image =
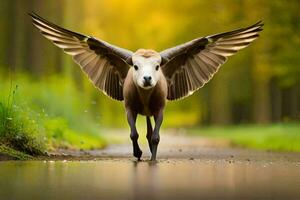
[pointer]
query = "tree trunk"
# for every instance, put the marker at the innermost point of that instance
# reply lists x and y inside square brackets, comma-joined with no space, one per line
[261,96]
[220,101]
[276,96]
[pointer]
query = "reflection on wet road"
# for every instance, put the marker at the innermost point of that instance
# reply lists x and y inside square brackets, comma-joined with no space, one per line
[167,179]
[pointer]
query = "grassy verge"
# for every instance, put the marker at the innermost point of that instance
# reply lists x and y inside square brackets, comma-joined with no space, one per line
[11,153]
[61,135]
[18,133]
[277,137]
[32,123]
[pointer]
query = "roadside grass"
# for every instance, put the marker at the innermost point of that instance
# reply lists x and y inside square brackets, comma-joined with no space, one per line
[17,130]
[62,136]
[39,117]
[12,153]
[276,137]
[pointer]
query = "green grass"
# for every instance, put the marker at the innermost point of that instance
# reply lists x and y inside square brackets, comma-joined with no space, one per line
[277,137]
[12,153]
[36,117]
[62,136]
[18,129]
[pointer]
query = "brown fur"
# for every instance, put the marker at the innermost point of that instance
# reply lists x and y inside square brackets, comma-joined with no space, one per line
[144,102]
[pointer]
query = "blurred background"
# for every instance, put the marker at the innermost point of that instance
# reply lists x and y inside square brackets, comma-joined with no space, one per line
[47,93]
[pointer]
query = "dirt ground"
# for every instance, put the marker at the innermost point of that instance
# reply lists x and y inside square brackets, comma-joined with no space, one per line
[176,145]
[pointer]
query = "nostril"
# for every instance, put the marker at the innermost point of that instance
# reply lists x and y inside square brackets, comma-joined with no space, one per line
[147,78]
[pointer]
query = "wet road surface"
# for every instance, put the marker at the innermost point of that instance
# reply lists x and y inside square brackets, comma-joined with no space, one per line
[188,168]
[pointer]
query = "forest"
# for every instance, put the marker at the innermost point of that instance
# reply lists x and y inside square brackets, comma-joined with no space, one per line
[44,89]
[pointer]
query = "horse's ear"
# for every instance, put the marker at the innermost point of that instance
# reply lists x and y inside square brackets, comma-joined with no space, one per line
[129,61]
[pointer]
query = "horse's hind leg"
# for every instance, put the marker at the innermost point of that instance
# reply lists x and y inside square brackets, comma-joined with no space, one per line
[158,118]
[149,132]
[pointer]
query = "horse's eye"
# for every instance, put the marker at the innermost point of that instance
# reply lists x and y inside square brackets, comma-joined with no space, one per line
[157,66]
[135,67]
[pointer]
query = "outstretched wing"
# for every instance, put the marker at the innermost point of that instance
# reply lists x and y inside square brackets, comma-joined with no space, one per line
[189,66]
[104,64]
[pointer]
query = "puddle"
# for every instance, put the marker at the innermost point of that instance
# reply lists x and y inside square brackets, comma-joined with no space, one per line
[168,179]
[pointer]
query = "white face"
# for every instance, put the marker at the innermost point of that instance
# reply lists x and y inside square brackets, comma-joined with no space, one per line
[146,71]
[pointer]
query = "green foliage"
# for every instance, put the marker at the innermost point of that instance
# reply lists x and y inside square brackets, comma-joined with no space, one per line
[61,136]
[45,116]
[17,129]
[14,154]
[278,137]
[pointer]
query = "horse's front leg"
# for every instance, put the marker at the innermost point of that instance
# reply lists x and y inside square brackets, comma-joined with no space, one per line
[131,118]
[158,117]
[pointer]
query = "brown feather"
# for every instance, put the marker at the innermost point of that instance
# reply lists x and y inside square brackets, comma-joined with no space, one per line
[201,59]
[91,54]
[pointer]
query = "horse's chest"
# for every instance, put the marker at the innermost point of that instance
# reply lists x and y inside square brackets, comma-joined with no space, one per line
[147,105]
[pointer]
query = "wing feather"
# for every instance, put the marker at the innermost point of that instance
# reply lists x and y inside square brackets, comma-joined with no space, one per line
[189,66]
[103,63]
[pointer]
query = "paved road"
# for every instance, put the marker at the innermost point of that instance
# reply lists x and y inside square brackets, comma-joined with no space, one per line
[177,145]
[187,168]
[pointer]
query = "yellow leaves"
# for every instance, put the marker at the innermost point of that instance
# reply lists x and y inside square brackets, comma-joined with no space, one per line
[134,24]
[92,27]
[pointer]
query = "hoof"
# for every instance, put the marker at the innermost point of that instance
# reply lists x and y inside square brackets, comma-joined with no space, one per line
[153,160]
[138,154]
